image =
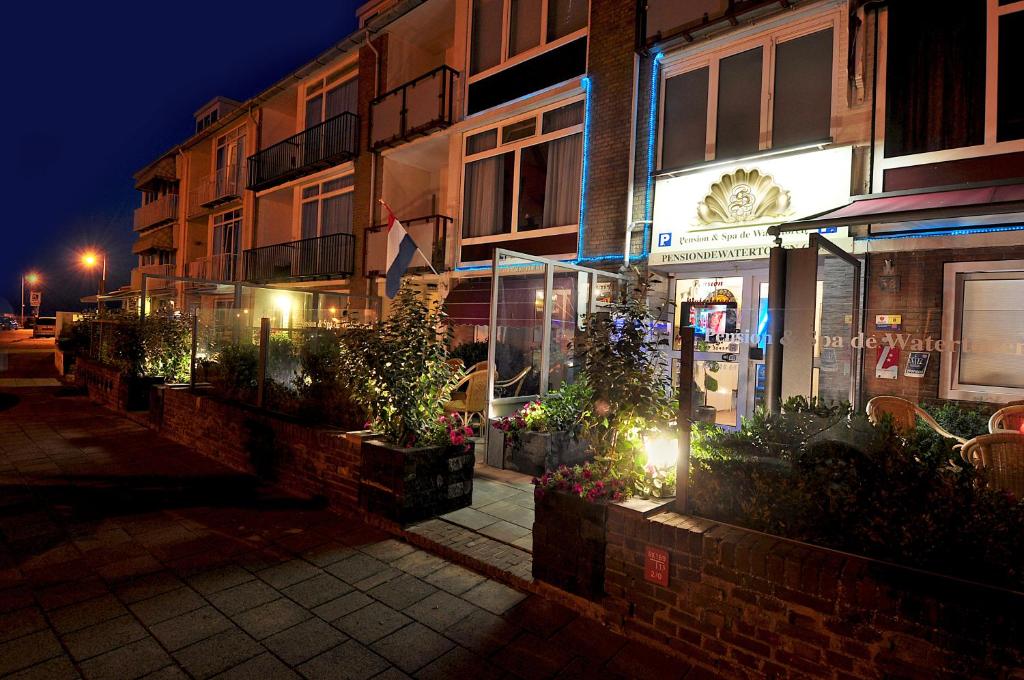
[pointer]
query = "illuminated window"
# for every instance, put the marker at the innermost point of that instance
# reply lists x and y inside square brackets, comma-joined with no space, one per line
[506,29]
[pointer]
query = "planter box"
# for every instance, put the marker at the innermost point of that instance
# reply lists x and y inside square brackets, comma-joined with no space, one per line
[540,451]
[409,485]
[569,541]
[137,392]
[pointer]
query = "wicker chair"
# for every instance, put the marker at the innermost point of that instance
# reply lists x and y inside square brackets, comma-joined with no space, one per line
[515,383]
[1007,419]
[474,401]
[904,416]
[1001,455]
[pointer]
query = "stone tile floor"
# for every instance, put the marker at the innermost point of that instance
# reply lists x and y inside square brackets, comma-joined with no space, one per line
[502,507]
[123,555]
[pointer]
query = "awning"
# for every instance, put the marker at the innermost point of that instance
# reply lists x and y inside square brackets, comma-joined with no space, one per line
[158,239]
[916,206]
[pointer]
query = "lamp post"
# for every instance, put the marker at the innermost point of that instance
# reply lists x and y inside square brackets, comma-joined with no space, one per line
[32,278]
[91,259]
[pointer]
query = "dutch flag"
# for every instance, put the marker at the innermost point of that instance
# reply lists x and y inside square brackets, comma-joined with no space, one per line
[401,249]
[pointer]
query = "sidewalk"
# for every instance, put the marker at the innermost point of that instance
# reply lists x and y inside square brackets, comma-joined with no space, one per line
[123,555]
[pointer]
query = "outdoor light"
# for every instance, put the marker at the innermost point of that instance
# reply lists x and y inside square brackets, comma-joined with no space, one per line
[32,278]
[662,449]
[89,259]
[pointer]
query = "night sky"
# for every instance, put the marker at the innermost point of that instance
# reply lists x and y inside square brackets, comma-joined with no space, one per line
[95,91]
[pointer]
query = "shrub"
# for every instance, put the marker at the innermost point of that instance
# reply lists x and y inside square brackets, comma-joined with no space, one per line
[561,411]
[166,347]
[586,481]
[625,370]
[397,371]
[238,369]
[323,395]
[859,488]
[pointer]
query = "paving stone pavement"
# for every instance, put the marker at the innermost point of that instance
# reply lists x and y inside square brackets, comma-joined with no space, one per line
[123,555]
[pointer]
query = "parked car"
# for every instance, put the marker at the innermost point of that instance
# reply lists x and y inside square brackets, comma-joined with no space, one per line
[9,323]
[46,327]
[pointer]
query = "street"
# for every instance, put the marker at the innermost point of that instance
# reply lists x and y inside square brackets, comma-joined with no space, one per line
[123,555]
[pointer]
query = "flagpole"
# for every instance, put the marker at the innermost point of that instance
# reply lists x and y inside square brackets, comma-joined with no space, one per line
[422,254]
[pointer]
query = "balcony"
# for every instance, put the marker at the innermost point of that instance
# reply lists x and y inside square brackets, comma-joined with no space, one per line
[416,108]
[163,209]
[222,186]
[329,257]
[222,267]
[154,270]
[430,233]
[333,141]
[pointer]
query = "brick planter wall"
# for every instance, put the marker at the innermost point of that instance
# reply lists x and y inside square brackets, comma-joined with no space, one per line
[104,385]
[569,543]
[305,460]
[408,485]
[742,604]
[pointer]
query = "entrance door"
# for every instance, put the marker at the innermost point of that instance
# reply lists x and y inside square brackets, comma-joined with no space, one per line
[729,315]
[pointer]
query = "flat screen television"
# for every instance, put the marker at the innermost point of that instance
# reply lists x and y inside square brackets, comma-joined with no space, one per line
[709,318]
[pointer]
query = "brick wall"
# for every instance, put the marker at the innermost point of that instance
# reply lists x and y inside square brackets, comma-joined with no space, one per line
[919,302]
[309,461]
[740,604]
[610,69]
[104,385]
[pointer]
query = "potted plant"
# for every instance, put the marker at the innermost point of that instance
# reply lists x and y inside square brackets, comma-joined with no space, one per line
[544,435]
[418,463]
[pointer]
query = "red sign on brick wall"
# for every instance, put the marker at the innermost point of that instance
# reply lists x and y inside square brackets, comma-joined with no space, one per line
[656,566]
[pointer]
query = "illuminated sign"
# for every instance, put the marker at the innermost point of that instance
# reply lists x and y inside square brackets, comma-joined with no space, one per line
[723,213]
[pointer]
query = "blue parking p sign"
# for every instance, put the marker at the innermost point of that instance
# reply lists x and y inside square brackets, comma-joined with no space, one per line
[664,240]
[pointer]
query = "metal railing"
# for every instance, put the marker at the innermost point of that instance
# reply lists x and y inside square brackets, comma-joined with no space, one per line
[333,141]
[226,184]
[418,107]
[151,269]
[430,233]
[163,209]
[320,257]
[222,267]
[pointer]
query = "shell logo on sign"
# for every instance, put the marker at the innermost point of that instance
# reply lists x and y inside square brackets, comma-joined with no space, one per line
[743,196]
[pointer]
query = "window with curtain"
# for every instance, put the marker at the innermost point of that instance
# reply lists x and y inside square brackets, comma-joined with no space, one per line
[488,19]
[935,60]
[487,203]
[1010,117]
[522,25]
[327,208]
[534,180]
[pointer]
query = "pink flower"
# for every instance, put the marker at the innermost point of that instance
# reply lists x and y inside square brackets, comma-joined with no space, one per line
[577,489]
[458,439]
[468,430]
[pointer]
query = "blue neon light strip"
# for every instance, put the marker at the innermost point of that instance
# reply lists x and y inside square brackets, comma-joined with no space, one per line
[584,180]
[652,123]
[946,231]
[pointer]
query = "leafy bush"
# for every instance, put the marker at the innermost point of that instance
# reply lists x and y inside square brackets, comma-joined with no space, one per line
[166,347]
[238,372]
[836,480]
[586,481]
[625,370]
[323,395]
[397,371]
[561,411]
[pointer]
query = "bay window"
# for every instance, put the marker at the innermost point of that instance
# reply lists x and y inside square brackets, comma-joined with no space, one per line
[770,91]
[528,182]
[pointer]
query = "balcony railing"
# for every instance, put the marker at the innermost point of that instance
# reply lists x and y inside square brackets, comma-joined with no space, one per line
[154,270]
[328,256]
[333,141]
[222,186]
[430,233]
[416,108]
[222,267]
[163,209]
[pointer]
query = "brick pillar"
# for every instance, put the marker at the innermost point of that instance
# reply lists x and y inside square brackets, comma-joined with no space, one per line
[364,215]
[610,69]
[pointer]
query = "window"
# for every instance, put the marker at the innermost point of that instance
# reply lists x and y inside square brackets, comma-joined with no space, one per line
[531,181]
[935,64]
[324,100]
[207,120]
[504,29]
[985,321]
[327,208]
[229,155]
[1010,111]
[227,229]
[791,108]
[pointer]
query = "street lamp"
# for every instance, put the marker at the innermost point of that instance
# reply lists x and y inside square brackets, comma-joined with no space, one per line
[90,259]
[32,278]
